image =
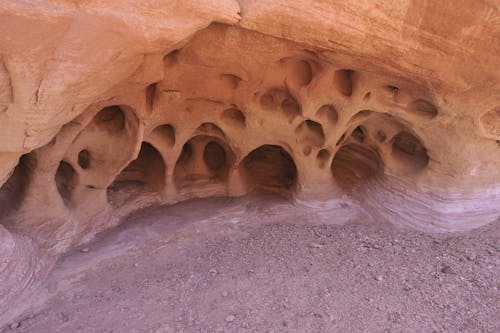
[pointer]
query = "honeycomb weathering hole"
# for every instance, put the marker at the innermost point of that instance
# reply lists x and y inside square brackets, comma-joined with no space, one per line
[234,117]
[491,122]
[203,158]
[323,157]
[300,71]
[355,164]
[423,108]
[363,114]
[166,133]
[380,136]
[111,119]
[230,81]
[310,133]
[290,108]
[280,99]
[342,79]
[267,100]
[214,156]
[392,91]
[147,169]
[391,88]
[409,152]
[303,72]
[270,168]
[212,129]
[84,159]
[359,134]
[329,112]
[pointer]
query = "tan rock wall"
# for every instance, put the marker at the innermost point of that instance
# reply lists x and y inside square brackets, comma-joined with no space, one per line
[390,110]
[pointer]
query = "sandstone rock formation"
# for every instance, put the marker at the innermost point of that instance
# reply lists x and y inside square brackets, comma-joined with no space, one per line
[390,110]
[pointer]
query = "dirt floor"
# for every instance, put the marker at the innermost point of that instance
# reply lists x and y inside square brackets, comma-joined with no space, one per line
[243,265]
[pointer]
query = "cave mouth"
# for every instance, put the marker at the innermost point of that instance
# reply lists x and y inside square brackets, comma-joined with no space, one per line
[144,174]
[354,165]
[270,169]
[204,159]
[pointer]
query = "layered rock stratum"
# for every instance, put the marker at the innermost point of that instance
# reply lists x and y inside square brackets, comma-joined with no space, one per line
[389,110]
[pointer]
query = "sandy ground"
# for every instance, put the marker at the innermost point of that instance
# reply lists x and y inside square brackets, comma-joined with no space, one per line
[227,265]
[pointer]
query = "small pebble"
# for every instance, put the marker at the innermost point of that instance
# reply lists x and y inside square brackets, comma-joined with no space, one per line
[230,318]
[379,278]
[448,270]
[318,315]
[470,257]
[314,245]
[15,325]
[85,250]
[212,271]
[224,294]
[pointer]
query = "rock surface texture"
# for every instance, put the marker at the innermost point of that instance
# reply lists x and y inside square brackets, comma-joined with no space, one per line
[390,110]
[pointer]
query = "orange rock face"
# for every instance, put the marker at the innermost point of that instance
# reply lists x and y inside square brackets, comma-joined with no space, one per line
[391,109]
